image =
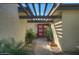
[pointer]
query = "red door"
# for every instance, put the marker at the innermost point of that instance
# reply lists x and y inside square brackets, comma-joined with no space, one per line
[40,30]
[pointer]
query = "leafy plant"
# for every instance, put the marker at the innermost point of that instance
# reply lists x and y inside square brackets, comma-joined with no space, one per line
[49,33]
[12,47]
[30,36]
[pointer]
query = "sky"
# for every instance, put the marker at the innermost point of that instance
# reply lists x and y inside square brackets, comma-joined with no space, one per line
[49,6]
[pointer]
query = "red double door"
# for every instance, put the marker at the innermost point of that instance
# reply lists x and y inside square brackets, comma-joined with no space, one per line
[41,29]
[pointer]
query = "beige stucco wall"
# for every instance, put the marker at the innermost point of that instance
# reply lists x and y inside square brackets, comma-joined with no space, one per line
[70,30]
[32,26]
[10,24]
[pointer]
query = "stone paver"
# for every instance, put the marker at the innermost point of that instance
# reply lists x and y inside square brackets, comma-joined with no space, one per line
[41,47]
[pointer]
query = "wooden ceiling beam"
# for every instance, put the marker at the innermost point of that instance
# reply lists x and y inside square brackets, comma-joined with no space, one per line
[54,4]
[25,10]
[29,9]
[34,9]
[45,9]
[45,17]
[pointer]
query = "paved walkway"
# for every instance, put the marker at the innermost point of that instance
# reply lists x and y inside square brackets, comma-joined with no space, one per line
[41,47]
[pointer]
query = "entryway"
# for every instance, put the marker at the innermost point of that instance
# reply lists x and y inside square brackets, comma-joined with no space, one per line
[41,28]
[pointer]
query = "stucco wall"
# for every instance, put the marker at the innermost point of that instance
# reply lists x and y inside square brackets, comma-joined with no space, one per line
[32,26]
[70,30]
[10,24]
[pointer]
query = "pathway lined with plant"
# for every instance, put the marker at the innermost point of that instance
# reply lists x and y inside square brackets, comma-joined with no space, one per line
[41,47]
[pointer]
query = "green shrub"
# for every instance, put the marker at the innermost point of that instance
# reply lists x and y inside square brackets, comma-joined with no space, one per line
[12,48]
[30,36]
[49,33]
